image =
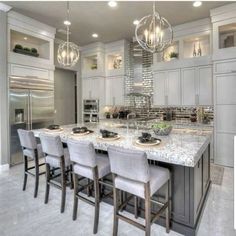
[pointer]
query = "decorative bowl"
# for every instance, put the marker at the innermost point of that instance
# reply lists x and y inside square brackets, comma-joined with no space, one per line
[162,130]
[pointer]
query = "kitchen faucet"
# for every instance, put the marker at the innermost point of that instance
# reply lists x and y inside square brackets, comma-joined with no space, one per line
[128,117]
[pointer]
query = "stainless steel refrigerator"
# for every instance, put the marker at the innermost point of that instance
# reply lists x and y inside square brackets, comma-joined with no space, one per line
[31,107]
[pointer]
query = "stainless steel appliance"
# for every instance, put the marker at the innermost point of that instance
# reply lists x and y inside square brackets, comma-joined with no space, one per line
[31,107]
[91,110]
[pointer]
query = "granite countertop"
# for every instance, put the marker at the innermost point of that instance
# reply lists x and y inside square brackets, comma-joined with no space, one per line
[182,147]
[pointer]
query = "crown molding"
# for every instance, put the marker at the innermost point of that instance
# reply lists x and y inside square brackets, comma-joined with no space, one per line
[4,7]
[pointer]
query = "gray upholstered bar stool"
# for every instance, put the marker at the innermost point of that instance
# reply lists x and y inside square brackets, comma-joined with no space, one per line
[132,173]
[56,157]
[91,165]
[31,151]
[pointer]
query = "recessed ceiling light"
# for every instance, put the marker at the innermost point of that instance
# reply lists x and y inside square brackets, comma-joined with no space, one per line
[67,22]
[112,3]
[197,3]
[135,22]
[25,38]
[94,35]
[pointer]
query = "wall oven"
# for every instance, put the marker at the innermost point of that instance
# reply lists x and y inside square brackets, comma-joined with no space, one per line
[91,110]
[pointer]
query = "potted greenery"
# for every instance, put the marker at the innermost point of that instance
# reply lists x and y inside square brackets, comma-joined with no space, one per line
[25,50]
[173,55]
[108,115]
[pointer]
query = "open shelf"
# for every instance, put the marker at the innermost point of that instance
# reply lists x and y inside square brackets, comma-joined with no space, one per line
[90,63]
[196,46]
[227,36]
[28,41]
[166,55]
[114,61]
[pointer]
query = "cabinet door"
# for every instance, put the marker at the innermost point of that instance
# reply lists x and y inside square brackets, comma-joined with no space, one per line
[174,90]
[118,91]
[188,86]
[224,149]
[109,96]
[198,187]
[206,168]
[225,89]
[205,85]
[159,87]
[86,88]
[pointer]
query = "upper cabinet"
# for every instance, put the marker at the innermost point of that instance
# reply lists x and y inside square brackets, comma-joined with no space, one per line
[30,43]
[167,89]
[116,58]
[187,87]
[224,32]
[93,60]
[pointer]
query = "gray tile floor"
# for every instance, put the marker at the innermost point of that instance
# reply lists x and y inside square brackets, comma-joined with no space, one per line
[22,215]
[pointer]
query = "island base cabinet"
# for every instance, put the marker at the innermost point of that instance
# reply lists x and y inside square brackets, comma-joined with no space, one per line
[189,188]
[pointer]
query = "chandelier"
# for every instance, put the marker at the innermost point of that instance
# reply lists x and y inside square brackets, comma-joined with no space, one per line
[68,52]
[153,32]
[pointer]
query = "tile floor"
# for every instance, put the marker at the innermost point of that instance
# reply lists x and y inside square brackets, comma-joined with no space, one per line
[22,215]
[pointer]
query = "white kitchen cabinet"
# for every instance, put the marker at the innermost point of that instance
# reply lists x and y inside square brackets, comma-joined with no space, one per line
[188,84]
[93,88]
[159,87]
[173,88]
[205,94]
[167,89]
[225,89]
[224,149]
[114,91]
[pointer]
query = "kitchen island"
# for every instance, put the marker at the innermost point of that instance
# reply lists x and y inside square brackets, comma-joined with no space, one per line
[185,152]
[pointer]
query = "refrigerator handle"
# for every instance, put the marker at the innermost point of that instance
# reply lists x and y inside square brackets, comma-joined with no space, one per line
[28,110]
[31,125]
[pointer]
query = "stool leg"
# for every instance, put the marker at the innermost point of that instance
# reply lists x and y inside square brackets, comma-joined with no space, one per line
[75,206]
[168,207]
[135,207]
[97,200]
[115,200]
[25,174]
[71,178]
[63,184]
[36,174]
[147,210]
[47,183]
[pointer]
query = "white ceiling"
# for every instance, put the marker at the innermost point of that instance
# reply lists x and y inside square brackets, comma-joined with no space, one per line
[111,24]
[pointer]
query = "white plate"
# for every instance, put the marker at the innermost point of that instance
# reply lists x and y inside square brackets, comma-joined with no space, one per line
[109,139]
[148,144]
[80,134]
[54,130]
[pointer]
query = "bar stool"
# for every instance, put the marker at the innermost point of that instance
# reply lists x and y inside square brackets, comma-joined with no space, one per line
[91,165]
[132,173]
[56,158]
[33,151]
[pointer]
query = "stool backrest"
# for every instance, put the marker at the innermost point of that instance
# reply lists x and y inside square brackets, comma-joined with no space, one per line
[82,152]
[27,139]
[129,164]
[52,145]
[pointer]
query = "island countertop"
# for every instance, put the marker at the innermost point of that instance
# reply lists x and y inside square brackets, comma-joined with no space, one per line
[182,147]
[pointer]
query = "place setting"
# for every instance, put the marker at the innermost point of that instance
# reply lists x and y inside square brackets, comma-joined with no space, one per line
[146,140]
[107,135]
[81,131]
[54,129]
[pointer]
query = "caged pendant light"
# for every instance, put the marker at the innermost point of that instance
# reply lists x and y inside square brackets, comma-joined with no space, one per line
[68,52]
[153,32]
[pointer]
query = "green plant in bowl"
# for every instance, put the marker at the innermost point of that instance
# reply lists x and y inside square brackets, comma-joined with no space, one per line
[161,128]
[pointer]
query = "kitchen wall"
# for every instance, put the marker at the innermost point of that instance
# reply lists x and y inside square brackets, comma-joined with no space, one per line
[64,96]
[4,135]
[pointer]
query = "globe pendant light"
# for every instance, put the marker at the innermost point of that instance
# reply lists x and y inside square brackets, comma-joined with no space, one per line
[68,52]
[153,32]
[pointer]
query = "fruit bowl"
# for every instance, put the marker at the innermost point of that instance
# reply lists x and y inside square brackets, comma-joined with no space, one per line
[162,129]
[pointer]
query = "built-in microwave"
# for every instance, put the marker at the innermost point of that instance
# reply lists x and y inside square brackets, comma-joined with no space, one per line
[91,111]
[91,106]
